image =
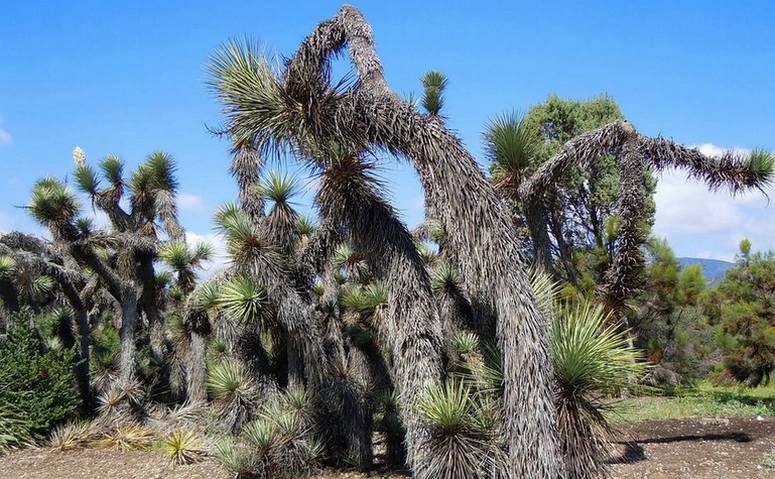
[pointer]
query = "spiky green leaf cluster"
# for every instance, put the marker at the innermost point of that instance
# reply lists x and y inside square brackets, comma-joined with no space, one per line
[179,256]
[279,187]
[428,255]
[363,298]
[247,84]
[434,83]
[512,147]
[227,379]
[465,342]
[86,178]
[113,169]
[761,164]
[217,350]
[7,266]
[545,290]
[304,225]
[444,277]
[184,447]
[590,353]
[52,203]
[447,409]
[244,243]
[243,299]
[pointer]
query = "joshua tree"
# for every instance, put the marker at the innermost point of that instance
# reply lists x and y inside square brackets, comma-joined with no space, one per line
[635,153]
[349,196]
[480,235]
[55,207]
[151,198]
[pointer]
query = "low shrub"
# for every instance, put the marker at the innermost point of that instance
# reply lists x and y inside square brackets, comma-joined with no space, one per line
[184,447]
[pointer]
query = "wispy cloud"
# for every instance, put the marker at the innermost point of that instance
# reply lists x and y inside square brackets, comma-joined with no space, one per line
[220,258]
[5,137]
[703,223]
[188,201]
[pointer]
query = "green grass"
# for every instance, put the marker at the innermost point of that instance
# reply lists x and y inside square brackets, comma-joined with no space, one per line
[702,400]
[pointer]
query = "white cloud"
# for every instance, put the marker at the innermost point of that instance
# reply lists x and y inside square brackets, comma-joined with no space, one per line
[189,201]
[220,258]
[714,150]
[5,137]
[710,224]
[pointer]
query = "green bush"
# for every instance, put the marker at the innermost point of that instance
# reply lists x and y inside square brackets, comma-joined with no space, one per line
[36,384]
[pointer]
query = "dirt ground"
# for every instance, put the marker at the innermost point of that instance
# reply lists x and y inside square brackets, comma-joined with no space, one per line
[696,448]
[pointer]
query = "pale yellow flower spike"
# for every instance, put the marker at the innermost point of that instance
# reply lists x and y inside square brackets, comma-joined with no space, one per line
[79,157]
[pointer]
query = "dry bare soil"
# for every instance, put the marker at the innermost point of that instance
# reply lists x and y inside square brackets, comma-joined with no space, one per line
[696,448]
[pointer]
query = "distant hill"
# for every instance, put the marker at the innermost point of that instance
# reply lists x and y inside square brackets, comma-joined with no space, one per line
[714,269]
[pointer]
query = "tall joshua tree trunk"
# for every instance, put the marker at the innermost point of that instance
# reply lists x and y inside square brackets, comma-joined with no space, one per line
[481,241]
[303,334]
[127,358]
[147,276]
[198,324]
[480,232]
[623,277]
[82,326]
[535,216]
[412,321]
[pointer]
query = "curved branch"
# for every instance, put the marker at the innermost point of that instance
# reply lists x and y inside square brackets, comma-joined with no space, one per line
[579,151]
[735,171]
[623,277]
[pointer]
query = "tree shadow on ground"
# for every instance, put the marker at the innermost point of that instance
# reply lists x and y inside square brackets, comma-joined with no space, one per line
[634,452]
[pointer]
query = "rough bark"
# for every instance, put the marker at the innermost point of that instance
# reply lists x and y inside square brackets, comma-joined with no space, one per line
[246,169]
[127,358]
[198,327]
[413,327]
[623,277]
[148,302]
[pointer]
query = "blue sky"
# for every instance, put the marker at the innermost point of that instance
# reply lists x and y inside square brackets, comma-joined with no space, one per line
[129,78]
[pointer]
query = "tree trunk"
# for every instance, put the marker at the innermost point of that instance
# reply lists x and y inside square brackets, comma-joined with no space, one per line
[82,370]
[196,373]
[623,277]
[8,295]
[128,354]
[151,309]
[295,366]
[412,323]
[360,444]
[565,250]
[482,239]
[536,223]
